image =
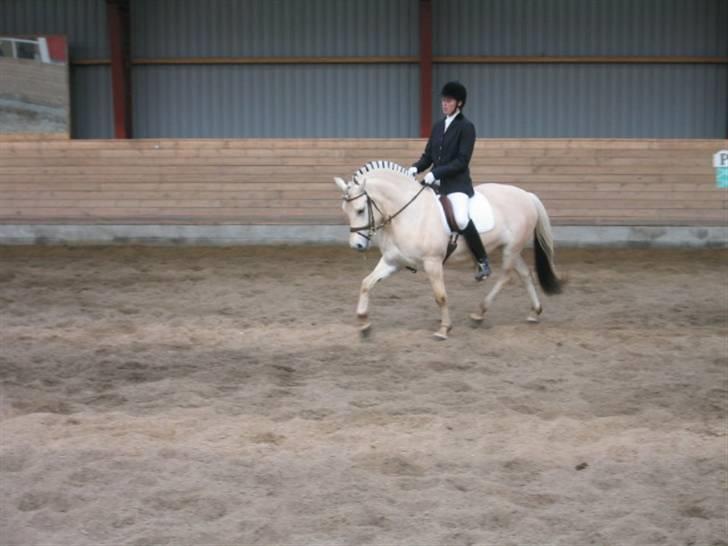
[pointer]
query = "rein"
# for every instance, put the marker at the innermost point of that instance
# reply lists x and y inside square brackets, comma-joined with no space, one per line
[372,227]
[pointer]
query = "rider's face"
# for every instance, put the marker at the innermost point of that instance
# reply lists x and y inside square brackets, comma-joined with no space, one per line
[449,105]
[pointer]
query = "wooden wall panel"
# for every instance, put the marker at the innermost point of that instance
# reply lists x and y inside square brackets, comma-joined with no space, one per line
[289,181]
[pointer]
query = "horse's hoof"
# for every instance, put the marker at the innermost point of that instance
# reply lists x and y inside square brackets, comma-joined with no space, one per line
[533,319]
[476,317]
[365,329]
[440,335]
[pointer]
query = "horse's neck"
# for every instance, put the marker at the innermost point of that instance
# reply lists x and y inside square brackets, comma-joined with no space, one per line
[412,233]
[391,195]
[413,226]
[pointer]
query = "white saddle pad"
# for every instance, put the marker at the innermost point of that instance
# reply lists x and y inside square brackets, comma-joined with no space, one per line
[481,213]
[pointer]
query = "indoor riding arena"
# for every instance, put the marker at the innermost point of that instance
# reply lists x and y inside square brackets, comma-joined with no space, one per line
[181,361]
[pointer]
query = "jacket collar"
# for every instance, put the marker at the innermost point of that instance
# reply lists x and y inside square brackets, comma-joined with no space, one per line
[453,117]
[456,118]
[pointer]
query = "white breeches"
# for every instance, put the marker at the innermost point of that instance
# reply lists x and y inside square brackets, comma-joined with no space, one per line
[460,208]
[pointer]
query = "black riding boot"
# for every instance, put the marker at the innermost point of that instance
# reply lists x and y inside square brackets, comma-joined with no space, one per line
[472,237]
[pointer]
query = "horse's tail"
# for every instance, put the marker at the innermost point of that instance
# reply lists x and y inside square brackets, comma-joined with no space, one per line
[543,249]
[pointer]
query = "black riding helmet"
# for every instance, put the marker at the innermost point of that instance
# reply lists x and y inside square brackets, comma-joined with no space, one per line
[455,90]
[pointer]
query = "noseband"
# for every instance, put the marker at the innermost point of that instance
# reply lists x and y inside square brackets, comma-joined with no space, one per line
[371,228]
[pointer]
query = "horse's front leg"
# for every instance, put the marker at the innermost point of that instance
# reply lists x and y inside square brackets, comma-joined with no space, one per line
[433,268]
[381,271]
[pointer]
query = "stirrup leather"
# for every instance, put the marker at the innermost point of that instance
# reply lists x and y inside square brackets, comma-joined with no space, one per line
[452,244]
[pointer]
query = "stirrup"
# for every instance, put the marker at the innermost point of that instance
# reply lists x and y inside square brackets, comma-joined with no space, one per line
[483,270]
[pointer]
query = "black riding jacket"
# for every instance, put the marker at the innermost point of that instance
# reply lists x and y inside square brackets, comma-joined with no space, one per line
[449,152]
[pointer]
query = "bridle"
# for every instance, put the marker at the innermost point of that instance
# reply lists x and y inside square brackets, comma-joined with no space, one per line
[371,227]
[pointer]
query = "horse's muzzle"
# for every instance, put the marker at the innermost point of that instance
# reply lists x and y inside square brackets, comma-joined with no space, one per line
[358,242]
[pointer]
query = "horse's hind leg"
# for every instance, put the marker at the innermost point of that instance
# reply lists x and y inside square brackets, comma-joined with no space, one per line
[433,268]
[381,271]
[525,273]
[503,277]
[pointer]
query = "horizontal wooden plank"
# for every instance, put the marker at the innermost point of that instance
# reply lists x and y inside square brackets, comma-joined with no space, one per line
[174,204]
[16,137]
[242,143]
[350,157]
[199,170]
[146,163]
[596,216]
[351,154]
[340,143]
[553,205]
[47,216]
[100,163]
[328,193]
[624,204]
[215,216]
[206,215]
[8,141]
[312,171]
[505,176]
[326,174]
[234,183]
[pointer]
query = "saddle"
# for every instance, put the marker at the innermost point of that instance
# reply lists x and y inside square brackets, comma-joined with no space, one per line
[481,213]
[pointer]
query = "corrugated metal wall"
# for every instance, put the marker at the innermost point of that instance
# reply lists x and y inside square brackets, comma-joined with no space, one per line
[588,100]
[168,28]
[580,27]
[354,100]
[275,101]
[304,100]
[593,101]
[91,102]
[84,23]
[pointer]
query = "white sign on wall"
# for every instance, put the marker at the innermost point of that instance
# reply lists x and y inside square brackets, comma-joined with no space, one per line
[720,162]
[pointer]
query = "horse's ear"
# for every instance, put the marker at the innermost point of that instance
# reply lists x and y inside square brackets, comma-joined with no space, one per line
[341,184]
[360,181]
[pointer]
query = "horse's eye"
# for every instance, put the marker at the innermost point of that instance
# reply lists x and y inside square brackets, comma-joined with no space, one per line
[360,211]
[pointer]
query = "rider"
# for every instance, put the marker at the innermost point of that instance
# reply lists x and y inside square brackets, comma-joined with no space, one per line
[449,150]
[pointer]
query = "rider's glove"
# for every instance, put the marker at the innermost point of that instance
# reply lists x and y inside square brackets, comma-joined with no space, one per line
[430,181]
[412,171]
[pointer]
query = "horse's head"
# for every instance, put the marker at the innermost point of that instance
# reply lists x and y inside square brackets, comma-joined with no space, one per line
[367,216]
[358,209]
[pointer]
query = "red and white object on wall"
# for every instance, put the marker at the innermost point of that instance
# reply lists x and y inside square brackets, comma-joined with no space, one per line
[46,49]
[56,47]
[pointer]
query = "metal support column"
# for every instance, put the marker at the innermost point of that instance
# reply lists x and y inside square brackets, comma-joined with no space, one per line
[425,67]
[118,17]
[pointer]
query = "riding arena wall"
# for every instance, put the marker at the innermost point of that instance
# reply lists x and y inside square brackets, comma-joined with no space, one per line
[237,191]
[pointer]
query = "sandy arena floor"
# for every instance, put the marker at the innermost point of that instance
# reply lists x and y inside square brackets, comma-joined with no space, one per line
[201,396]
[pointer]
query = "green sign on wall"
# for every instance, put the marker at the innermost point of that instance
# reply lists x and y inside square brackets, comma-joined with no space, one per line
[720,162]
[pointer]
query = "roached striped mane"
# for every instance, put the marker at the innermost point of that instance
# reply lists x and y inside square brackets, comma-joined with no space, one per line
[388,166]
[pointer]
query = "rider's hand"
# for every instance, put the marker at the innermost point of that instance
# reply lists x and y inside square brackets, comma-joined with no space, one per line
[412,171]
[430,180]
